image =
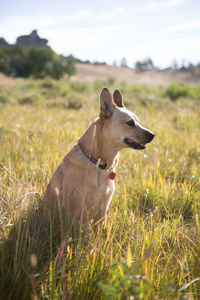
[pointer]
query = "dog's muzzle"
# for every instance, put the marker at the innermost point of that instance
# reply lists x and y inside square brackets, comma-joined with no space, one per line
[132,144]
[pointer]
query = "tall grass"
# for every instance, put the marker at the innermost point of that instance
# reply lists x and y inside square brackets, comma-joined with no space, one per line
[148,248]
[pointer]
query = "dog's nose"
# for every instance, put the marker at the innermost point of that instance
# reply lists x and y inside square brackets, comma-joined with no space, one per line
[150,135]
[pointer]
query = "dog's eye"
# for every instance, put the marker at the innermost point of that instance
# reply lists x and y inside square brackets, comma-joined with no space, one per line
[131,123]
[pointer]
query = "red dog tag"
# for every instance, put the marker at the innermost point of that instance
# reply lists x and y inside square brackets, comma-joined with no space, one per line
[112,175]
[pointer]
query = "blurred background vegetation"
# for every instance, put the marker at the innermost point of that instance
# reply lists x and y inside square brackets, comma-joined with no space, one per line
[18,61]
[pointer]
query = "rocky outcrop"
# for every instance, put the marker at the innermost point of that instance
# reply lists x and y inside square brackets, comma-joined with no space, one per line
[3,42]
[27,41]
[32,40]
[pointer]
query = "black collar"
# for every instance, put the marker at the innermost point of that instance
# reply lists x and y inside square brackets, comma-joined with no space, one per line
[92,159]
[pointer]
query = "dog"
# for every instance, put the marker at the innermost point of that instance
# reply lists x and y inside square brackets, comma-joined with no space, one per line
[83,184]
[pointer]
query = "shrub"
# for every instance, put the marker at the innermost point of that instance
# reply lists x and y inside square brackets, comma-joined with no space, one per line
[4,99]
[111,81]
[55,69]
[175,91]
[13,61]
[99,84]
[74,102]
[79,87]
[70,104]
[47,83]
[28,100]
[55,104]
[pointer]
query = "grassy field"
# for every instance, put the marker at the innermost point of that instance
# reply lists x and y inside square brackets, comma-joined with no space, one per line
[149,245]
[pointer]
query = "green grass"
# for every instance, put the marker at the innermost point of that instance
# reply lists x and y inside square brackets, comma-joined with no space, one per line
[149,246]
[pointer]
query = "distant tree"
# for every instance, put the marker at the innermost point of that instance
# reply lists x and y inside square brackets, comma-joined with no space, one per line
[87,61]
[124,62]
[191,68]
[70,66]
[13,61]
[99,63]
[183,66]
[174,64]
[144,65]
[114,63]
[37,62]
[55,69]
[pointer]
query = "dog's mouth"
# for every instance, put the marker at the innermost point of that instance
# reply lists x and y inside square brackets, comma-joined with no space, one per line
[133,144]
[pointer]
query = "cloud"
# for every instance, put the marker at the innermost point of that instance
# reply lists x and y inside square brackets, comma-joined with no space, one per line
[112,14]
[130,11]
[80,30]
[160,5]
[13,26]
[87,40]
[184,26]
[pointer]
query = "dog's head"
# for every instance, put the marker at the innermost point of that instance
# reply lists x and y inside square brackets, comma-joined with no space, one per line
[121,126]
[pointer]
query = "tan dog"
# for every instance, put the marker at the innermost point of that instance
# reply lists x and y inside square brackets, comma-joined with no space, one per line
[83,183]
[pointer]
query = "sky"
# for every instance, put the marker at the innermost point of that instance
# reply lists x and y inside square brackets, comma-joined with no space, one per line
[108,30]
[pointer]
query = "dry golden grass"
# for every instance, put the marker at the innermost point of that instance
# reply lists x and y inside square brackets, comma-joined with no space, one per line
[149,246]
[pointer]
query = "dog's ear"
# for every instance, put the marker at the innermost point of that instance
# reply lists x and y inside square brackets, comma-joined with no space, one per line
[106,102]
[118,98]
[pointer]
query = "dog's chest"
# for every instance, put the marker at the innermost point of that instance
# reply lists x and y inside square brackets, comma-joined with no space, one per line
[101,183]
[100,191]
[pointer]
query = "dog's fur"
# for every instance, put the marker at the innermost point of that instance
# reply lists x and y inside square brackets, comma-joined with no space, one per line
[79,185]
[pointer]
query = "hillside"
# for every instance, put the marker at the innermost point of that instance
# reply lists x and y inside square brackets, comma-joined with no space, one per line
[88,72]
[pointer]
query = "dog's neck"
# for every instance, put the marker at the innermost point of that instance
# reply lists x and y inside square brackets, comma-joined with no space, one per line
[95,144]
